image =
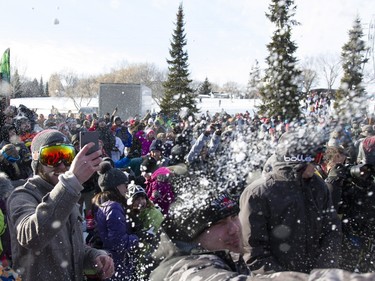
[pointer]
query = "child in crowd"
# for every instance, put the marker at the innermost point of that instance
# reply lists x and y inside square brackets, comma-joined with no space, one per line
[146,220]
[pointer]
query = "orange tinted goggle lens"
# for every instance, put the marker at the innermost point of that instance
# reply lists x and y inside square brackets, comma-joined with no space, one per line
[55,154]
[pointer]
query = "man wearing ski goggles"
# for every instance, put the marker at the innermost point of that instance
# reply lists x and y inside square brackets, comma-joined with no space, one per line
[44,217]
[55,154]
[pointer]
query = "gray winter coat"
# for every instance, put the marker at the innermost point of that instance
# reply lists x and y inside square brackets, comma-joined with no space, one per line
[46,231]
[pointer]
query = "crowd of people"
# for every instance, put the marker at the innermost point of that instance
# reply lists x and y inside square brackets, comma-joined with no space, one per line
[211,196]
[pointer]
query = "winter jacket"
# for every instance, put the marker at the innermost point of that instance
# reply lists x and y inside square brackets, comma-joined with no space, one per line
[5,236]
[46,230]
[366,151]
[146,142]
[148,221]
[123,133]
[136,147]
[288,223]
[114,229]
[118,150]
[108,139]
[355,203]
[15,171]
[151,217]
[160,192]
[212,143]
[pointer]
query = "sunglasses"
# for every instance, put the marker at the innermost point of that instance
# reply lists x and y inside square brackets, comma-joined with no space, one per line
[54,155]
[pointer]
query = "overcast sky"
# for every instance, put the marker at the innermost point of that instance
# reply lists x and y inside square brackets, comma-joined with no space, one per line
[224,37]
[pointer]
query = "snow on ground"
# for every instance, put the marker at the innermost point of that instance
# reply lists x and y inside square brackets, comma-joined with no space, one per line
[213,105]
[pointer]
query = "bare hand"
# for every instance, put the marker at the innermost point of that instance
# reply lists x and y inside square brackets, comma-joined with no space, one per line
[84,166]
[105,267]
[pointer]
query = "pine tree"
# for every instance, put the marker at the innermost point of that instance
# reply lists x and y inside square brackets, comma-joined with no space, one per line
[16,85]
[41,88]
[254,81]
[279,92]
[178,94]
[205,88]
[46,90]
[350,96]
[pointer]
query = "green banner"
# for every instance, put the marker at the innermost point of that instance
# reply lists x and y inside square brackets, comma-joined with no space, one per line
[5,66]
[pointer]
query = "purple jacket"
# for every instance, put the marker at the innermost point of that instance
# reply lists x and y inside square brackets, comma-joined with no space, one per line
[114,229]
[160,193]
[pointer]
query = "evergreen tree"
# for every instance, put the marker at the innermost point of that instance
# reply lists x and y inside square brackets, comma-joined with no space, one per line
[41,88]
[350,96]
[46,91]
[279,90]
[16,85]
[178,94]
[205,88]
[254,82]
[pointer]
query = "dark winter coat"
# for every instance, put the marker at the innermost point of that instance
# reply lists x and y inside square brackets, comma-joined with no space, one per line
[355,203]
[114,229]
[289,223]
[15,171]
[124,134]
[108,139]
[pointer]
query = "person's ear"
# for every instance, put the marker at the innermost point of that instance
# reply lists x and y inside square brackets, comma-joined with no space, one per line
[35,155]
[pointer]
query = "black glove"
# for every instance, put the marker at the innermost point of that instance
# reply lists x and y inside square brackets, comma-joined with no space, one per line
[338,171]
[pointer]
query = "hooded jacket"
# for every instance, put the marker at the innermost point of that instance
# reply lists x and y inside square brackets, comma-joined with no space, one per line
[289,223]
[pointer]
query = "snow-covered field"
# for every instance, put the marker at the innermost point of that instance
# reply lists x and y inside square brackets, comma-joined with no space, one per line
[213,105]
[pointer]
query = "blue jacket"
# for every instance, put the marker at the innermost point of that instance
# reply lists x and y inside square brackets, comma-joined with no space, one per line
[113,226]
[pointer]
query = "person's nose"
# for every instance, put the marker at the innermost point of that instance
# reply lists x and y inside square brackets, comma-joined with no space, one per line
[62,166]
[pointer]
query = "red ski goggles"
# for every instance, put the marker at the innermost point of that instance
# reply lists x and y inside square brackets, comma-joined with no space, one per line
[54,155]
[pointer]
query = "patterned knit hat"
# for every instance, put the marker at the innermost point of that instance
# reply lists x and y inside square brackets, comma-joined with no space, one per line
[134,191]
[110,178]
[43,138]
[190,216]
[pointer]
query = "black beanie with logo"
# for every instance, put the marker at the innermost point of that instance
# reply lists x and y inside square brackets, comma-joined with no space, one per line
[299,146]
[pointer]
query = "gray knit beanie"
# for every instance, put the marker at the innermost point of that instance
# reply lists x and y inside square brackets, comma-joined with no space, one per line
[43,138]
[110,178]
